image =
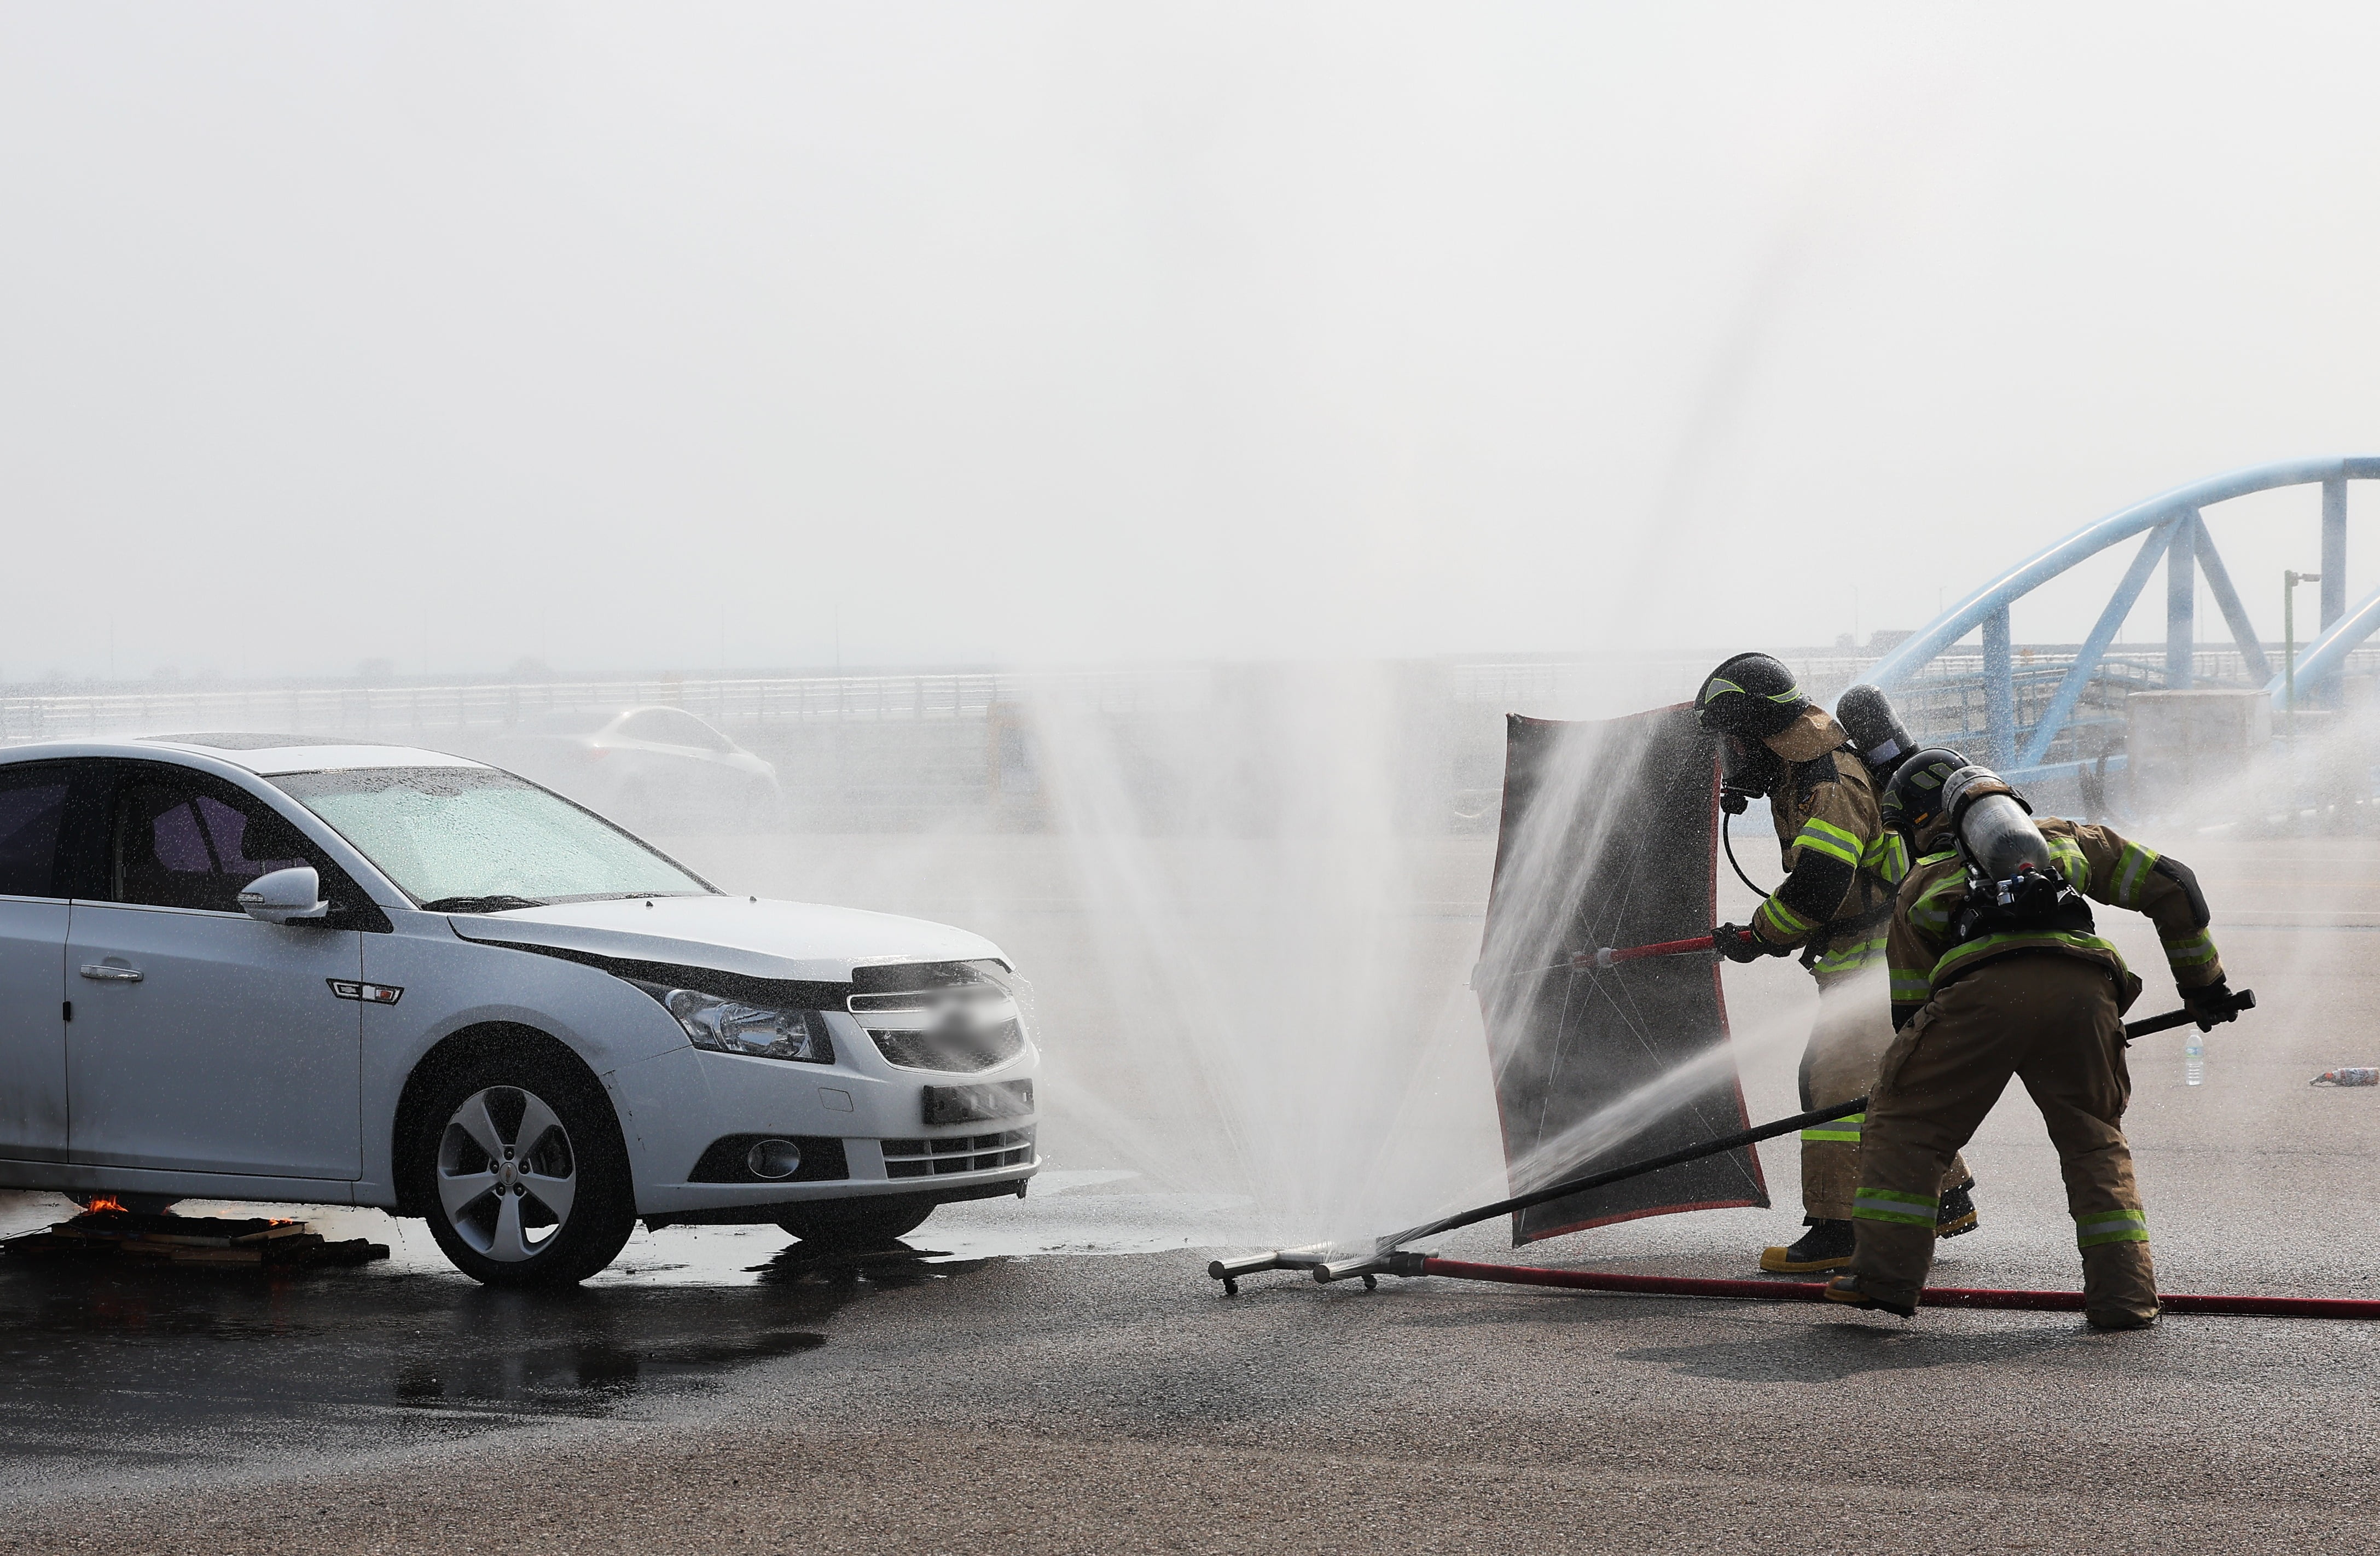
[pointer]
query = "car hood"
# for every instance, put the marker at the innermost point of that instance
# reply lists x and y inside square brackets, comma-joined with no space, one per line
[758,939]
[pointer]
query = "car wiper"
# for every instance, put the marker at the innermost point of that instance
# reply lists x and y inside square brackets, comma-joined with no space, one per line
[497,903]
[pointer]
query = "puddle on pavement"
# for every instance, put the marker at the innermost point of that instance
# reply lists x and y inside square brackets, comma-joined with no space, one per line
[148,1365]
[134,1368]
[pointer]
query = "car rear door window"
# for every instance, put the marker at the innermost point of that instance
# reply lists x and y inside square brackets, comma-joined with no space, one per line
[188,845]
[33,808]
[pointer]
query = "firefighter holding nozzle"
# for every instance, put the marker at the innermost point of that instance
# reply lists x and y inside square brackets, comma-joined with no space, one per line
[1842,866]
[1997,972]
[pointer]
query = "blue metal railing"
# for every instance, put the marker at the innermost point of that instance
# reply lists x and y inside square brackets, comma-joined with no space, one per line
[2176,534]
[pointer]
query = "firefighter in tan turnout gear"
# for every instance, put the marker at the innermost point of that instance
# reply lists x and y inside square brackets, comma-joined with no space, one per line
[1996,971]
[1842,864]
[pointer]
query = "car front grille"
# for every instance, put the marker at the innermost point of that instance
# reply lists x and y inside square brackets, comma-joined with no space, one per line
[960,1154]
[950,1047]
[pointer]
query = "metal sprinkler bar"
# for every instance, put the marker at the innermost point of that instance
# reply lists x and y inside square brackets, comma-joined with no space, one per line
[1229,1271]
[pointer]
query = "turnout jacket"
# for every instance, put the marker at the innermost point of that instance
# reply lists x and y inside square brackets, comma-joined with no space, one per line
[1926,956]
[1842,864]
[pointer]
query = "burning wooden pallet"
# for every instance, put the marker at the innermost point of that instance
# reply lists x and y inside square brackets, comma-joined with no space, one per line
[126,1235]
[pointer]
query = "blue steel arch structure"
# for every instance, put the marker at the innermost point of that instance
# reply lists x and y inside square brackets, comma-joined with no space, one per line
[2174,533]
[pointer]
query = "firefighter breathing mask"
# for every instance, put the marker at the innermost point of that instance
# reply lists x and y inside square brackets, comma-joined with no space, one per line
[1747,769]
[1747,698]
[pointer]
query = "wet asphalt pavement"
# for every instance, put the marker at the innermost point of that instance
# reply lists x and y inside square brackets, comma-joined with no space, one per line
[115,1372]
[1083,1403]
[1057,1375]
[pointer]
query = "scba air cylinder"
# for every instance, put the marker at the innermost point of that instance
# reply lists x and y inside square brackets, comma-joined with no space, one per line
[1994,831]
[1884,742]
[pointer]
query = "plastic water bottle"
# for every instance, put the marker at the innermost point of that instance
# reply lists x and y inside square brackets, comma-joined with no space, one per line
[2194,1058]
[2352,1075]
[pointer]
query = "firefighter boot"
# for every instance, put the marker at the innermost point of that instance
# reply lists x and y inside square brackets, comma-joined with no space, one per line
[1827,1245]
[1845,1289]
[2119,1286]
[1956,1215]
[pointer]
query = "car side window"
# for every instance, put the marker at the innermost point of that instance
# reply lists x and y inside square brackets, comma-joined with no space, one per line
[184,845]
[32,811]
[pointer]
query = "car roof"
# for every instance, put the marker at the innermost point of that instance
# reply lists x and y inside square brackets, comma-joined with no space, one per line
[262,754]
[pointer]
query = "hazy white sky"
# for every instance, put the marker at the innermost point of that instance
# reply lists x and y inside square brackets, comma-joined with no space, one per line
[641,337]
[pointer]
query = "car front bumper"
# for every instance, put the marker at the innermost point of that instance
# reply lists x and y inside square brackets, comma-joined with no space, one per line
[676,1107]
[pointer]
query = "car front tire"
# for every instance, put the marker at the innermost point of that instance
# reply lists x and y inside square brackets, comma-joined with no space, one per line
[518,1165]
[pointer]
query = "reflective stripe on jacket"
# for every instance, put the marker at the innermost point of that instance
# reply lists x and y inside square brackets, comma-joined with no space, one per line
[1842,864]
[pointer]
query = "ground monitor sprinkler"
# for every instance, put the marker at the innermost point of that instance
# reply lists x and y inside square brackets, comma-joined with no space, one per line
[1385,1252]
[1388,1257]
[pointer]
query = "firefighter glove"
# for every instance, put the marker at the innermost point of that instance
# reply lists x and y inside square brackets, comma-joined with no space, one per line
[2212,1003]
[1738,944]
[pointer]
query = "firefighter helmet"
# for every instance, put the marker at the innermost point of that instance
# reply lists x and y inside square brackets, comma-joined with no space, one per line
[1750,694]
[1912,801]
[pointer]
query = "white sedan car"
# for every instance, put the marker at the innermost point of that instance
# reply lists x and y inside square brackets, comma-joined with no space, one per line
[246,966]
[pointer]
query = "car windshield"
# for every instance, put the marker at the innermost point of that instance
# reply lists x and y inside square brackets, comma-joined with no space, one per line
[472,839]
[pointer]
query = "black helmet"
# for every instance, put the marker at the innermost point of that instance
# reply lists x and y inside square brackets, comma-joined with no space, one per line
[1750,694]
[1912,801]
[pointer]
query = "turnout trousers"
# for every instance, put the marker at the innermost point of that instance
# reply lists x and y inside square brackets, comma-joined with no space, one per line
[1848,1043]
[2051,1020]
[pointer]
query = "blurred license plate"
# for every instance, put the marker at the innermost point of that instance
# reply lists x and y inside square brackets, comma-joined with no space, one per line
[973,1104]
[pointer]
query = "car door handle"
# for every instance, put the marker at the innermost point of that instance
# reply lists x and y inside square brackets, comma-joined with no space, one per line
[105,974]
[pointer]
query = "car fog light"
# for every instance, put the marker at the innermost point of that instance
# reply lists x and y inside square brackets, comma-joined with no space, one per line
[773,1159]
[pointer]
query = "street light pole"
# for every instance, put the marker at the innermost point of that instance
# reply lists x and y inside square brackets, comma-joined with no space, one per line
[2290,582]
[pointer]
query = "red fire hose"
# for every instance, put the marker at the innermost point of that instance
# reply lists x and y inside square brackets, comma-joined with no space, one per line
[1936,1297]
[1608,954]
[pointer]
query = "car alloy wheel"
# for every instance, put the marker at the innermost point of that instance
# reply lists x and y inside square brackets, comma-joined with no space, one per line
[511,1149]
[506,1177]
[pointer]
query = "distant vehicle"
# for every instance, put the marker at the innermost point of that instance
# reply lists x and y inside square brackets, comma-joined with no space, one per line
[254,967]
[654,767]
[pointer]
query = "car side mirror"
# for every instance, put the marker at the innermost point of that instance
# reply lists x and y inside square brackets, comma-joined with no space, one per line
[284,896]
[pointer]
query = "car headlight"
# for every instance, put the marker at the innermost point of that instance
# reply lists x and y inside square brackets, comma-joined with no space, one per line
[732,1027]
